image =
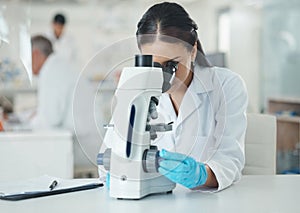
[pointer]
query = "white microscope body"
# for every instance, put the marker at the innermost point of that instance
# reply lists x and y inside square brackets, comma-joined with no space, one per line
[132,161]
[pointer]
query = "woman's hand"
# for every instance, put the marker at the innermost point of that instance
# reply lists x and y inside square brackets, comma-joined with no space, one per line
[182,169]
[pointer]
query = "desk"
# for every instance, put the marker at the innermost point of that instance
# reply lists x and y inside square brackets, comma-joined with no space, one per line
[253,194]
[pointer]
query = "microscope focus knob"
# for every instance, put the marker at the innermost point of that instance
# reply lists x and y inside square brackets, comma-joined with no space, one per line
[104,159]
[150,160]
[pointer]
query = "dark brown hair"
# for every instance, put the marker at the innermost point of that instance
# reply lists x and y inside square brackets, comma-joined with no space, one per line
[170,20]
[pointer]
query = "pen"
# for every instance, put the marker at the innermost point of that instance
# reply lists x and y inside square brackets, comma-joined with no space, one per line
[53,185]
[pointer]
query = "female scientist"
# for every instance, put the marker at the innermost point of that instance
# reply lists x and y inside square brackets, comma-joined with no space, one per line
[206,104]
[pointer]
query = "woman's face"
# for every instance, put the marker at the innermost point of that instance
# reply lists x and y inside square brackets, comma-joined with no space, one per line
[164,52]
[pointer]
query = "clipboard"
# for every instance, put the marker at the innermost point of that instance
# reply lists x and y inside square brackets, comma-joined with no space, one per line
[28,195]
[68,186]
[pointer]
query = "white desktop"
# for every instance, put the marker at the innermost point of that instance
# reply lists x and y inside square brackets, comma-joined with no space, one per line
[253,194]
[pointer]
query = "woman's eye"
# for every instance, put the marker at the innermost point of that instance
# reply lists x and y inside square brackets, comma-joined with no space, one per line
[171,63]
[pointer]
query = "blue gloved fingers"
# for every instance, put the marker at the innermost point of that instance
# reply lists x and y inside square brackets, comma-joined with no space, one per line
[180,172]
[202,174]
[192,179]
[172,155]
[173,176]
[170,175]
[163,171]
[174,166]
[182,169]
[176,161]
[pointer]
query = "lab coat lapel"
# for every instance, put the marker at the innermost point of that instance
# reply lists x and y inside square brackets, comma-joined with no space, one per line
[189,104]
[200,86]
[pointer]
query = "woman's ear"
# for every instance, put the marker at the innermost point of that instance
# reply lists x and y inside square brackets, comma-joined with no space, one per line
[194,52]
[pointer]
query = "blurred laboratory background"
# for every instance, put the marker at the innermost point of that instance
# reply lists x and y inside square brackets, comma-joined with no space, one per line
[258,39]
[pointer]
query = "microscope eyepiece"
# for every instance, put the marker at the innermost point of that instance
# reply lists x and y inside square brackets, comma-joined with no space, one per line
[143,60]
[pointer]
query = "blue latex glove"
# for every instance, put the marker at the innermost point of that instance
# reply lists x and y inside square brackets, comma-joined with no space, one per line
[182,169]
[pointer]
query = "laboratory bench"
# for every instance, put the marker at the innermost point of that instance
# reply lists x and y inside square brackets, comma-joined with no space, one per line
[274,194]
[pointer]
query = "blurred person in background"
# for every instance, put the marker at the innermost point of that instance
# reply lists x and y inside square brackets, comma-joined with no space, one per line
[65,101]
[63,43]
[56,84]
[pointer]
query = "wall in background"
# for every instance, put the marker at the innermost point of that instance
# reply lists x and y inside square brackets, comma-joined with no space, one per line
[99,24]
[245,50]
[281,50]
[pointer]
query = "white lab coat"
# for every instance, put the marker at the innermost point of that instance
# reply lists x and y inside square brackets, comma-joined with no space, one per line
[211,123]
[66,101]
[65,46]
[56,85]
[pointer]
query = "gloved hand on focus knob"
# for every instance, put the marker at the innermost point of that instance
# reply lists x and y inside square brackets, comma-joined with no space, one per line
[182,169]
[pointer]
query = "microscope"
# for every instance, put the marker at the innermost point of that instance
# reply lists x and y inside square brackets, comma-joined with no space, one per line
[131,160]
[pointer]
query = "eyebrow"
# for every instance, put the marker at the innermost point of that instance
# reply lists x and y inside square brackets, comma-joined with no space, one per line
[174,58]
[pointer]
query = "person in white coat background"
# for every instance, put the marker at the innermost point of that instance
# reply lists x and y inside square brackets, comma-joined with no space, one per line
[56,84]
[205,149]
[65,100]
[63,42]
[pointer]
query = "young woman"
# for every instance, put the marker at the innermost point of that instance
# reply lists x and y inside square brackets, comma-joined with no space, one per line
[207,104]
